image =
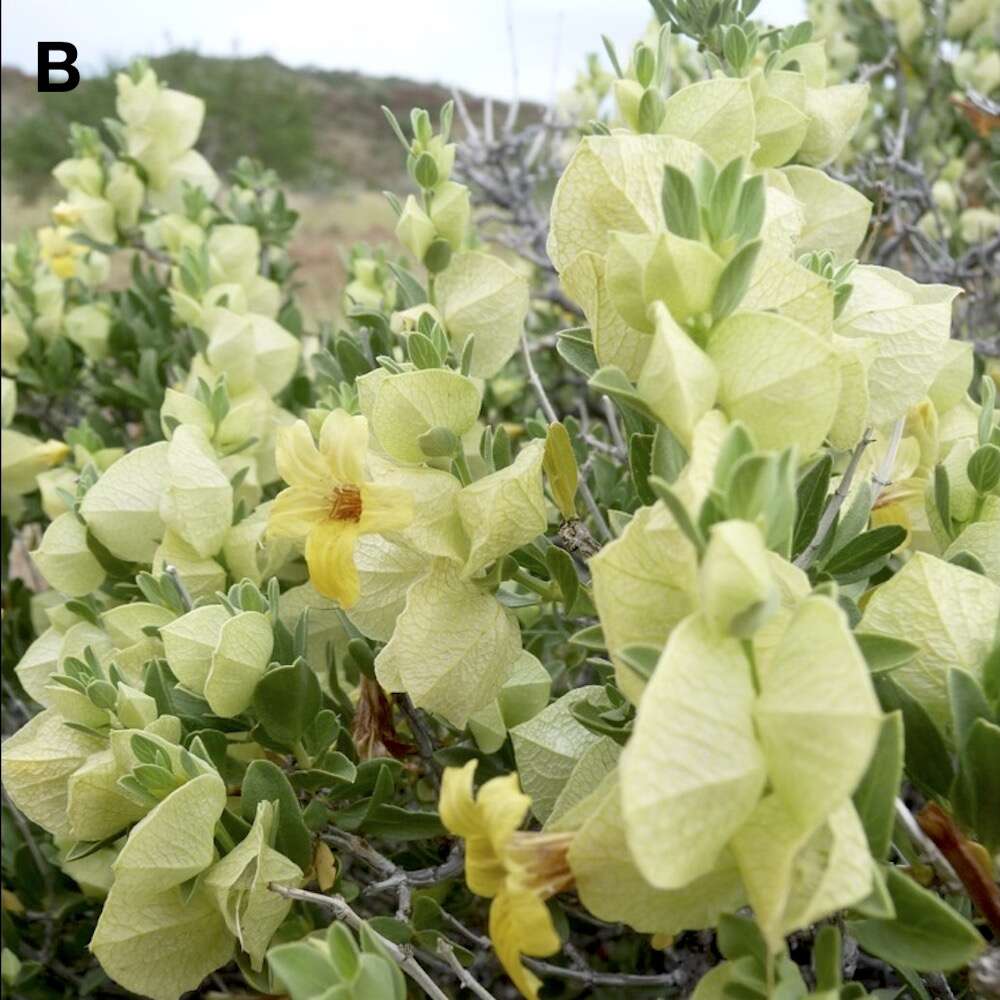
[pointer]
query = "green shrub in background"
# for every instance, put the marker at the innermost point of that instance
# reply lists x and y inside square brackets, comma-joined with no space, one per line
[264,110]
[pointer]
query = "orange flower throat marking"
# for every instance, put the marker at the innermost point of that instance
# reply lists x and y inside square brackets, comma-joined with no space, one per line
[345,504]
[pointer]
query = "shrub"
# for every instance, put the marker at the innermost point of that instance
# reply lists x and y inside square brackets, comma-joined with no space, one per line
[639,636]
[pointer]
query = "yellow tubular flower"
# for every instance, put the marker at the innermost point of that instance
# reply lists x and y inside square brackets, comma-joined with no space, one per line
[59,251]
[329,503]
[519,870]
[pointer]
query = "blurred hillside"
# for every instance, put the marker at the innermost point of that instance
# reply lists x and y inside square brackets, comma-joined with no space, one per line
[322,131]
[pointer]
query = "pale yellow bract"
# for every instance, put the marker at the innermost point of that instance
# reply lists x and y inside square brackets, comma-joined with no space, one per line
[330,504]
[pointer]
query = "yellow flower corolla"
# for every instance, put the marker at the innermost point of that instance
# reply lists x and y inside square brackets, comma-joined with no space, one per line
[517,869]
[59,251]
[329,503]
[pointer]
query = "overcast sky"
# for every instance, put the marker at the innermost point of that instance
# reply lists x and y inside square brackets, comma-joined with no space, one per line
[463,42]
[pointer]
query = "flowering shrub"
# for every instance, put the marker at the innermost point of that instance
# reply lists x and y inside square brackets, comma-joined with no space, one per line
[672,634]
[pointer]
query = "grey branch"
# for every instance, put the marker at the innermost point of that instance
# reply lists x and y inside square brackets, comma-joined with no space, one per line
[447,951]
[553,418]
[928,849]
[338,906]
[805,558]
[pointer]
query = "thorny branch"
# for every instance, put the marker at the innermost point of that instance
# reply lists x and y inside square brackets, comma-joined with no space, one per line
[805,558]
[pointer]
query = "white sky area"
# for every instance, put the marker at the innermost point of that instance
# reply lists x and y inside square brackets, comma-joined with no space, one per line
[458,42]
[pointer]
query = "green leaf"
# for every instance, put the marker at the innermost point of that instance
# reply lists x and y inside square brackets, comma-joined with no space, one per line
[640,460]
[411,291]
[676,507]
[942,498]
[264,781]
[750,210]
[811,495]
[875,796]
[302,969]
[680,204]
[576,348]
[885,652]
[740,937]
[991,677]
[927,760]
[397,931]
[987,400]
[668,457]
[343,950]
[968,561]
[562,569]
[591,637]
[561,470]
[422,351]
[866,549]
[983,468]
[725,195]
[287,700]
[926,934]
[827,958]
[975,794]
[613,382]
[968,703]
[641,658]
[735,280]
[855,519]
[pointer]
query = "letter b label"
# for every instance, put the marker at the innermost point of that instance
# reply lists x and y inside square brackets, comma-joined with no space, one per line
[57,56]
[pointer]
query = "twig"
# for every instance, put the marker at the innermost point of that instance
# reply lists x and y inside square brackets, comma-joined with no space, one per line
[589,977]
[471,132]
[612,418]
[423,737]
[361,849]
[446,950]
[552,417]
[29,841]
[928,849]
[805,558]
[448,869]
[874,69]
[338,906]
